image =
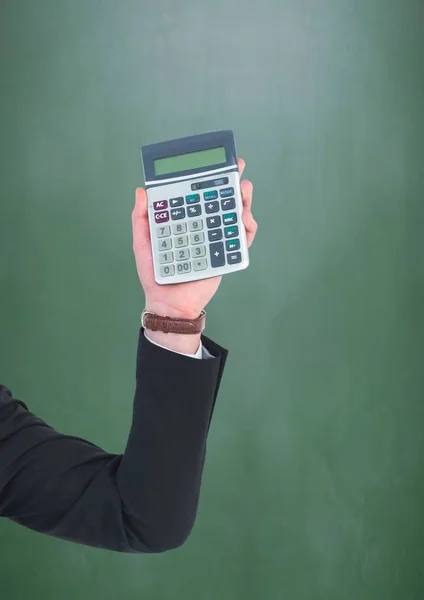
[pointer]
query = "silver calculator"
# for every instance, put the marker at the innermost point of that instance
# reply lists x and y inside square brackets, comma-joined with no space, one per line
[195,207]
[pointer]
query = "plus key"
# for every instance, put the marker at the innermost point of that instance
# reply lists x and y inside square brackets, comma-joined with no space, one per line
[217,255]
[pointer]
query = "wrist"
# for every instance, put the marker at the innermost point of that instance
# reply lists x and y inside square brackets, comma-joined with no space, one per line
[175,312]
[186,344]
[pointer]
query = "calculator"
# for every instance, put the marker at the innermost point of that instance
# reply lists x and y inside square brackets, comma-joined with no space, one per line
[195,207]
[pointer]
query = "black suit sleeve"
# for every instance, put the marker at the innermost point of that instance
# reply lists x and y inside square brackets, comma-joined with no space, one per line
[142,501]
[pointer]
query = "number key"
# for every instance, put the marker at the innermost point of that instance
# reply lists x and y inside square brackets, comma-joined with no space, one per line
[166,257]
[197,238]
[179,228]
[165,244]
[163,231]
[183,267]
[167,270]
[181,241]
[198,251]
[195,225]
[183,254]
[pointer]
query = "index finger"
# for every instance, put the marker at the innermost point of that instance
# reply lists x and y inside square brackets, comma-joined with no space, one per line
[241,165]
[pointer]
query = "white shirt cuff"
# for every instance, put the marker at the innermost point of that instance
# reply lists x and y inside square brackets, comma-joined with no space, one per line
[201,351]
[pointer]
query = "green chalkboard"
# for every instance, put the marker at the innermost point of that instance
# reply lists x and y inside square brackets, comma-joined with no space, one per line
[314,482]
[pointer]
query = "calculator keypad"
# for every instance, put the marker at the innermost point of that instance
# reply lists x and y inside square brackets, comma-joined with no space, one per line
[186,246]
[164,231]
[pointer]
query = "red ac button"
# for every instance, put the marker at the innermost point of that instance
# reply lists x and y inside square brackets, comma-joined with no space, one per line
[160,205]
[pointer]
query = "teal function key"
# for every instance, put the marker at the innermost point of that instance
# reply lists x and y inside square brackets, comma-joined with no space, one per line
[192,198]
[232,245]
[212,195]
[231,232]
[229,218]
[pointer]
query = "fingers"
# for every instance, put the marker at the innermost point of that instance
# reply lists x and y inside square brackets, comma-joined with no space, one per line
[248,220]
[247,193]
[250,225]
[141,234]
[241,165]
[140,208]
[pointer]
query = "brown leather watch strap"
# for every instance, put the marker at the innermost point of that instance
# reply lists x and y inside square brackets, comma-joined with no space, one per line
[155,322]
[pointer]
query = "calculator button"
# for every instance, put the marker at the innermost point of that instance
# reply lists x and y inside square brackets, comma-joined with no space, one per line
[217,254]
[215,235]
[233,258]
[167,270]
[162,217]
[183,254]
[197,238]
[166,257]
[230,219]
[183,267]
[212,195]
[181,241]
[200,265]
[174,202]
[195,225]
[160,205]
[232,245]
[213,222]
[194,211]
[177,213]
[212,207]
[198,251]
[179,228]
[165,244]
[227,192]
[163,231]
[192,198]
[231,232]
[228,203]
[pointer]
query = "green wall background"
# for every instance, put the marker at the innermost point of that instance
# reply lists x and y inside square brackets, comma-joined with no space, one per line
[313,486]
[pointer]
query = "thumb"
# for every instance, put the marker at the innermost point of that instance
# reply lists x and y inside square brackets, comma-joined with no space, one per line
[140,223]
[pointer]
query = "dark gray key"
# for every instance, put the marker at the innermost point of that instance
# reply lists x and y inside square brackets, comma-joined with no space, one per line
[228,203]
[215,235]
[233,258]
[213,222]
[217,254]
[194,211]
[177,214]
[212,207]
[174,202]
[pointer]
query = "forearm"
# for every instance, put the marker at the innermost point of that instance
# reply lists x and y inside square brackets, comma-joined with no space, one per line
[160,474]
[143,501]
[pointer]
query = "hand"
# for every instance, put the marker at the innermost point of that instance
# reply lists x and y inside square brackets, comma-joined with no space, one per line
[183,300]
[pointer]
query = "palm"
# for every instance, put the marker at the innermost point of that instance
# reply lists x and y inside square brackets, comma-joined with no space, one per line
[186,298]
[193,296]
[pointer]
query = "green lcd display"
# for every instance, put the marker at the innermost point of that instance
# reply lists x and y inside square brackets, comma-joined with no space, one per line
[189,161]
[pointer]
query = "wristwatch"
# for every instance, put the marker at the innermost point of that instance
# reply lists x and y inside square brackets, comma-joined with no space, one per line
[154,322]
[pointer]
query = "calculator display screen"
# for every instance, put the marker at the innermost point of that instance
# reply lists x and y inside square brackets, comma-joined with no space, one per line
[189,161]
